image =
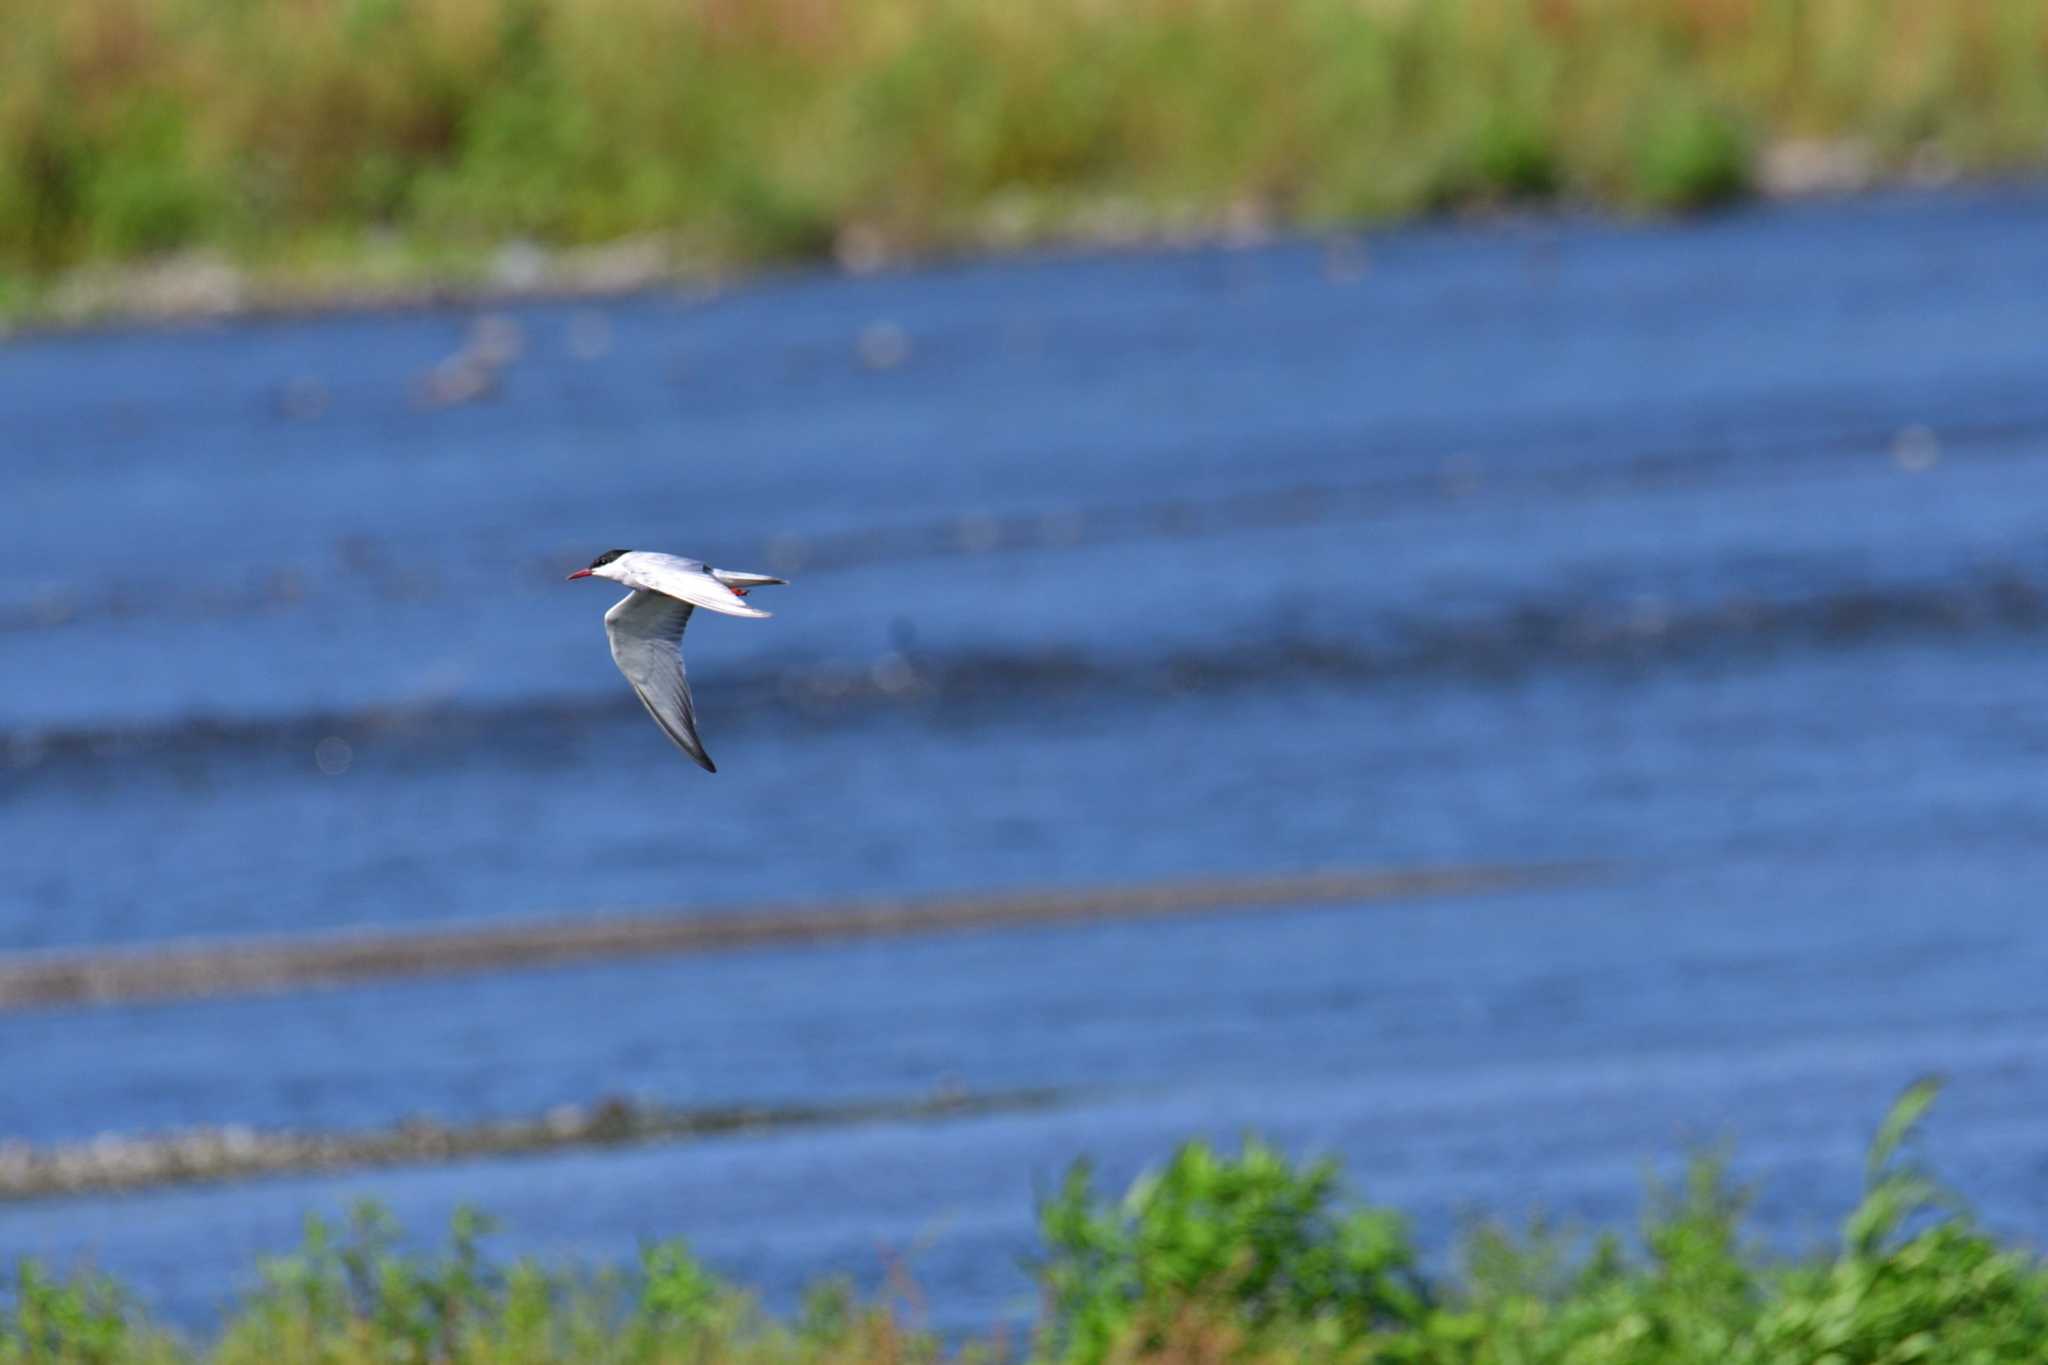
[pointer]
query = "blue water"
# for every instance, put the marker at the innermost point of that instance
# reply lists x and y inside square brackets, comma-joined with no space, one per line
[1715,556]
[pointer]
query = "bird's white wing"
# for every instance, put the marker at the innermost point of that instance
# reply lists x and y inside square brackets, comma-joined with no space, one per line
[686,580]
[646,630]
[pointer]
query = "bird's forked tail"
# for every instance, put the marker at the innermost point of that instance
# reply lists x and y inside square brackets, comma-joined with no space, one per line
[739,581]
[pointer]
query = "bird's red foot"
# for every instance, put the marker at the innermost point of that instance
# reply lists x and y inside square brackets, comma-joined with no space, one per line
[739,592]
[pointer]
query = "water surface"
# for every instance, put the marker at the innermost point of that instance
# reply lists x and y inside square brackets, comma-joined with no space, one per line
[1712,555]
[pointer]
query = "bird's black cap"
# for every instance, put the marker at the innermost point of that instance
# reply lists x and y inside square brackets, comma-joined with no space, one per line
[607,557]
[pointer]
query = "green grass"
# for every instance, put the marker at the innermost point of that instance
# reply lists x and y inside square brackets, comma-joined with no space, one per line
[297,138]
[1212,1258]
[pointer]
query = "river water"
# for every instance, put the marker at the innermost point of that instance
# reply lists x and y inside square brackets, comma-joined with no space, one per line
[1711,559]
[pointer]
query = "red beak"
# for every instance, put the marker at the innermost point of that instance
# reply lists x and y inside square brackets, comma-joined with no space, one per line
[580,573]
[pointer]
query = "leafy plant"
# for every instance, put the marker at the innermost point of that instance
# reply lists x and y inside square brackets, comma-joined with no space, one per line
[1251,1236]
[83,1322]
[1213,1257]
[751,130]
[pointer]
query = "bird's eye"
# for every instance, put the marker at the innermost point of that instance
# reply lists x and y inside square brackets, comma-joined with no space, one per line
[607,557]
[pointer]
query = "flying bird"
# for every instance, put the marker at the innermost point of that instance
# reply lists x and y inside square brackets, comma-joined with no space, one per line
[646,629]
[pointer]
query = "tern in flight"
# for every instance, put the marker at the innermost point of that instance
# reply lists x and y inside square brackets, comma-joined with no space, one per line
[646,629]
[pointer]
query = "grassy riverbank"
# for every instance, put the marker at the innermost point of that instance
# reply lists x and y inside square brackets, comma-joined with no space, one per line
[340,145]
[1239,1257]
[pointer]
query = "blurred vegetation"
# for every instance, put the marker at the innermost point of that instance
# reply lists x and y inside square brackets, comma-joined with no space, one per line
[381,136]
[1213,1258]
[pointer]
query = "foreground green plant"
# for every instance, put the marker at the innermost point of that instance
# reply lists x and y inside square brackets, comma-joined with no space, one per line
[1253,1238]
[350,138]
[1248,1257]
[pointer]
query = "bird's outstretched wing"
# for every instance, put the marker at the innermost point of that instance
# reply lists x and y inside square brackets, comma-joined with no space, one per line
[692,582]
[646,630]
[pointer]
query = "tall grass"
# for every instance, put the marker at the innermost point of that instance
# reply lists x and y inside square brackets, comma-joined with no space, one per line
[1213,1258]
[752,129]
